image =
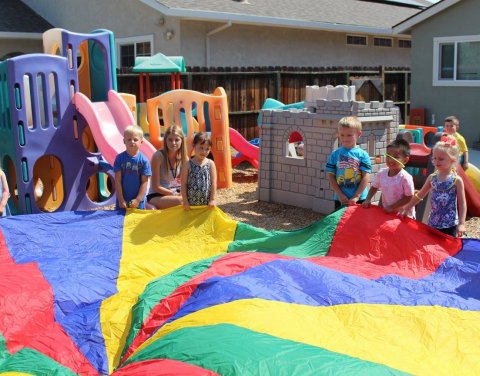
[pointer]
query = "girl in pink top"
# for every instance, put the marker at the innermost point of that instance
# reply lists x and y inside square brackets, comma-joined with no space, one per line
[394,182]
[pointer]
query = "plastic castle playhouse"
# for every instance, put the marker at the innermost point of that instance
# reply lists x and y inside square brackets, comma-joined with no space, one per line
[62,122]
[301,181]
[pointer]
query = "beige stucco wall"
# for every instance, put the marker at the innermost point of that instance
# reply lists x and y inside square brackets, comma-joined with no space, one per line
[238,45]
[248,45]
[25,46]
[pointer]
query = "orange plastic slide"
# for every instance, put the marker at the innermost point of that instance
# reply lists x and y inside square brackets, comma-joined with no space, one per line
[172,105]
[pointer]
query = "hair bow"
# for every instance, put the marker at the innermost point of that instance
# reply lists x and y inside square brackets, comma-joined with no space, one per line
[448,141]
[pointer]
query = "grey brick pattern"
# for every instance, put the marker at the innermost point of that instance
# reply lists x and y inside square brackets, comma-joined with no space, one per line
[302,182]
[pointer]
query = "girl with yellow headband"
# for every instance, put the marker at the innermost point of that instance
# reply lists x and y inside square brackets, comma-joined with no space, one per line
[394,182]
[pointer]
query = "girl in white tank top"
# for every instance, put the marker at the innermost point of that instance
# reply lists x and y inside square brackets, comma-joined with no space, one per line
[166,170]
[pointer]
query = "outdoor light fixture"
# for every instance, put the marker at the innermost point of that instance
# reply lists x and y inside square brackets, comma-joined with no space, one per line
[169,34]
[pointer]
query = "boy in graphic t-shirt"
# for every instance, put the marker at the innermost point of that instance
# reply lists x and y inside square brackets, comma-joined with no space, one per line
[348,167]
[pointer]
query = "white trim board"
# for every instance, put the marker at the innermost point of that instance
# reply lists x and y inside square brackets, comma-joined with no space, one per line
[13,35]
[405,26]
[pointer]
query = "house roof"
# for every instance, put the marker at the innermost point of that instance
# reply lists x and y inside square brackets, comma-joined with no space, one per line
[19,20]
[334,15]
[406,25]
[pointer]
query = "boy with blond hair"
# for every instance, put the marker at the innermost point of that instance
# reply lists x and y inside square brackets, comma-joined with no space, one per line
[348,167]
[132,171]
[451,127]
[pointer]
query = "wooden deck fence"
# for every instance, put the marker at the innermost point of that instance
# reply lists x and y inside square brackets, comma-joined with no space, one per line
[248,88]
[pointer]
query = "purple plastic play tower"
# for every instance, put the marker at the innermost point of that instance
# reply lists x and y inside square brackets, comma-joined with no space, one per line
[54,170]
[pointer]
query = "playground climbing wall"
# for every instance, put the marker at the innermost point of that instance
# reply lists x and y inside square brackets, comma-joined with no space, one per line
[44,148]
[302,181]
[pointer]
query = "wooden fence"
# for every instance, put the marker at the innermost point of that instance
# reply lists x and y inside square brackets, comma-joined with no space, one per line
[248,88]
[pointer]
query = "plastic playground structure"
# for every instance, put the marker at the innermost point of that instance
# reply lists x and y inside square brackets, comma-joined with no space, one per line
[66,120]
[62,122]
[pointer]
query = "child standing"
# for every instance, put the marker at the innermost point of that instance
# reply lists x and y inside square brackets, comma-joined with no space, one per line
[395,183]
[451,127]
[199,175]
[132,171]
[4,195]
[448,204]
[348,167]
[300,149]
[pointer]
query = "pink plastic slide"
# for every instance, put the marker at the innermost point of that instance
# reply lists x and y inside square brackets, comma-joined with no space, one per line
[107,121]
[249,152]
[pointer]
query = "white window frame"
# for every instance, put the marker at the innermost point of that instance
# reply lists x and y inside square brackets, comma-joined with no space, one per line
[386,38]
[356,45]
[132,40]
[436,81]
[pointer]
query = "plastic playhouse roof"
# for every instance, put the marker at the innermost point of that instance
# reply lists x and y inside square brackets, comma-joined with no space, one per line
[159,63]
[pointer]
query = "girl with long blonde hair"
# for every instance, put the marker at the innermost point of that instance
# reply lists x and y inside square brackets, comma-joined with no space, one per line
[166,170]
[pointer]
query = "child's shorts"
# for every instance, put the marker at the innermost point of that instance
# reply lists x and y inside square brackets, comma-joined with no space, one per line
[452,231]
[338,204]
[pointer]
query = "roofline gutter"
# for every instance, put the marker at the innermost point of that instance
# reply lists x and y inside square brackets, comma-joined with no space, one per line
[17,35]
[407,24]
[207,40]
[200,15]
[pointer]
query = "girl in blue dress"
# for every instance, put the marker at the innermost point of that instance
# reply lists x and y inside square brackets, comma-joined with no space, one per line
[448,204]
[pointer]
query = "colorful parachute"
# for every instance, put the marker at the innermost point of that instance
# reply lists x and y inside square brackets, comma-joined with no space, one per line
[196,293]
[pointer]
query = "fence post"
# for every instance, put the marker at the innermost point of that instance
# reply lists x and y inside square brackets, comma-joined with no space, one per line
[189,81]
[407,99]
[382,75]
[278,85]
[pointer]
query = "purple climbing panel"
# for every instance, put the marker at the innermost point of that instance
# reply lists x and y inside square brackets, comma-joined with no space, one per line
[100,58]
[45,122]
